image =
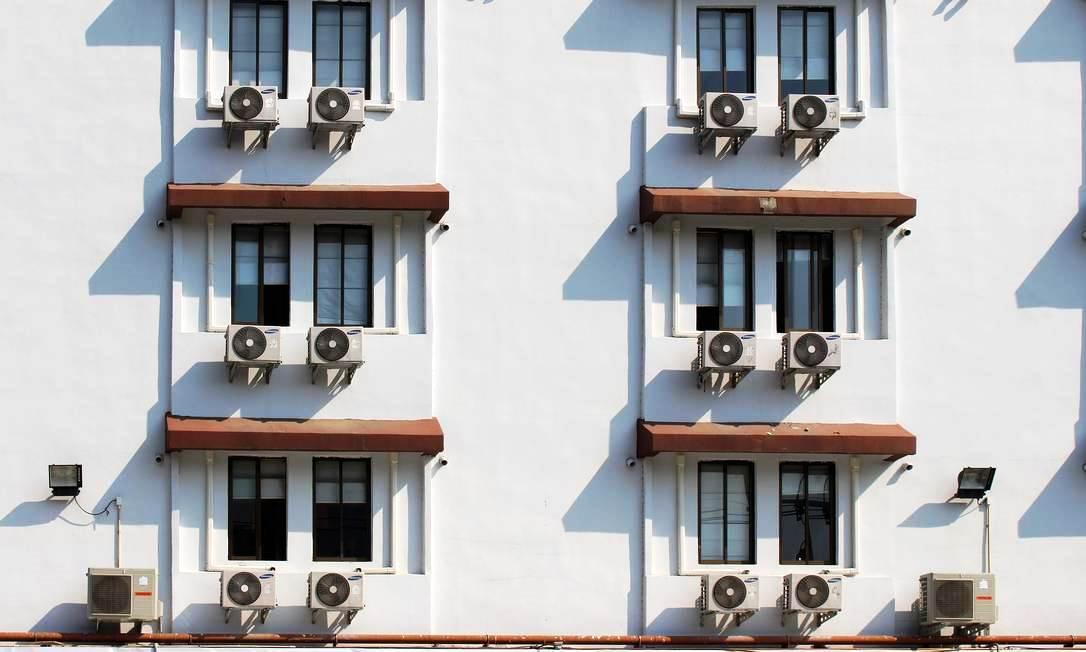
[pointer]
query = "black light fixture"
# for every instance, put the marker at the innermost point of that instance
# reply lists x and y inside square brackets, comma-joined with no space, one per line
[65,479]
[974,482]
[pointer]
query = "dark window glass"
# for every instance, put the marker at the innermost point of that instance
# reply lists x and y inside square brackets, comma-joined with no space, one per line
[343,276]
[726,512]
[258,508]
[341,44]
[806,51]
[261,274]
[726,50]
[724,278]
[258,43]
[804,281]
[342,521]
[808,513]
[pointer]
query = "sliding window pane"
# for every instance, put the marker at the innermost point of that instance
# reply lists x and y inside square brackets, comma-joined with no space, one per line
[276,266]
[245,298]
[818,52]
[272,26]
[737,44]
[243,43]
[710,60]
[739,489]
[735,282]
[326,45]
[355,49]
[711,513]
[329,263]
[791,51]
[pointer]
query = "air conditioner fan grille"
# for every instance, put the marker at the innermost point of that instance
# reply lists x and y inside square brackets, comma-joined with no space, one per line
[246,103]
[249,343]
[333,589]
[954,599]
[332,344]
[726,110]
[729,592]
[111,594]
[809,111]
[244,589]
[725,349]
[333,104]
[810,349]
[812,591]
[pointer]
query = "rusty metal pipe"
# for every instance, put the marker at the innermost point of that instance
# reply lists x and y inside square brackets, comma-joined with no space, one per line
[535,639]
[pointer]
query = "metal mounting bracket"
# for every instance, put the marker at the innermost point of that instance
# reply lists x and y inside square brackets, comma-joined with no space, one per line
[228,611]
[264,615]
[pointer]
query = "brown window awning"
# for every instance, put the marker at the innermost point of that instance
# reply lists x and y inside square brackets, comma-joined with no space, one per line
[892,207]
[433,198]
[338,435]
[888,440]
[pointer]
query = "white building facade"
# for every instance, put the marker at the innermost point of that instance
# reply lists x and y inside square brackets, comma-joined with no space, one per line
[532,243]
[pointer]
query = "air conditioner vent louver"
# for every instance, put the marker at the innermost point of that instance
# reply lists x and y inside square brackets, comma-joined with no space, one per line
[246,103]
[729,592]
[111,594]
[726,110]
[812,591]
[243,589]
[333,104]
[333,589]
[954,599]
[809,111]
[249,343]
[332,344]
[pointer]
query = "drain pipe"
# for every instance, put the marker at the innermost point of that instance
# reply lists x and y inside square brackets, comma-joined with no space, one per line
[854,486]
[390,106]
[677,63]
[210,325]
[398,276]
[987,504]
[676,259]
[117,534]
[858,281]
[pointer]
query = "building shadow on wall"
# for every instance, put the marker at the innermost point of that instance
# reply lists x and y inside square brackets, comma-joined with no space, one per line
[610,271]
[1056,281]
[948,8]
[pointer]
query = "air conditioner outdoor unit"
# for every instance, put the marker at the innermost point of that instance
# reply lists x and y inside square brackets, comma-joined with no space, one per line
[958,600]
[121,595]
[335,108]
[335,347]
[250,108]
[244,589]
[809,114]
[817,117]
[729,594]
[730,115]
[811,353]
[336,592]
[252,346]
[809,350]
[726,352]
[813,594]
[729,111]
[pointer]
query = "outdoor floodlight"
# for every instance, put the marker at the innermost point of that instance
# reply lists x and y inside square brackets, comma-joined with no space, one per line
[974,482]
[65,479]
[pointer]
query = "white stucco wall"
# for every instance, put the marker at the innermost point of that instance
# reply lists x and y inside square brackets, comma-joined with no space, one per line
[526,322]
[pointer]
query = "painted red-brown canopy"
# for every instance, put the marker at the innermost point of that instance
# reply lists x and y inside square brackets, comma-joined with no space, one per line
[339,435]
[892,207]
[433,198]
[888,440]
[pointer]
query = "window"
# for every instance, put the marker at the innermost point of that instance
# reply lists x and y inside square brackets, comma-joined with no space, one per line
[258,43]
[342,277]
[261,274]
[341,44]
[806,53]
[726,512]
[804,281]
[725,291]
[808,513]
[341,510]
[725,50]
[258,508]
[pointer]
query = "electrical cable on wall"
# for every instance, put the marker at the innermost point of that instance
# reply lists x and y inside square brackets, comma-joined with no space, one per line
[105,510]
